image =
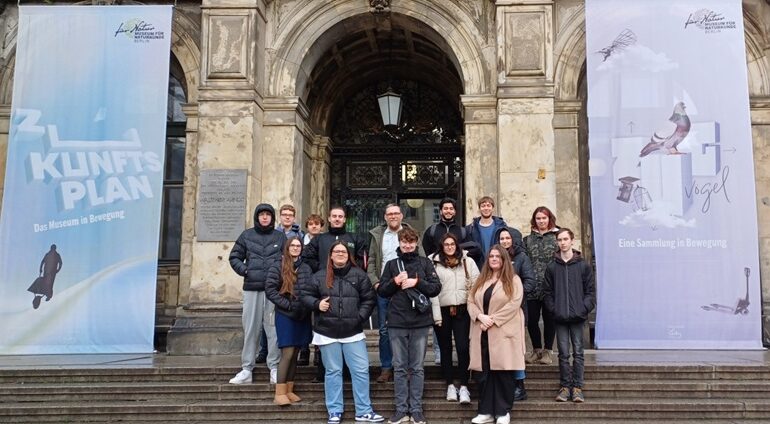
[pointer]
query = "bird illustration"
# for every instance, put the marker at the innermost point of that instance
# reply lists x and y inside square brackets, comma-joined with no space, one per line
[623,40]
[672,135]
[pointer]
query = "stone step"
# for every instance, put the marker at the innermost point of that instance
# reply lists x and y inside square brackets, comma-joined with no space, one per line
[534,372]
[434,390]
[265,411]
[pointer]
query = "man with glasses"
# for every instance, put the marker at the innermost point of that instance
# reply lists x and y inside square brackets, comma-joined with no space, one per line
[383,243]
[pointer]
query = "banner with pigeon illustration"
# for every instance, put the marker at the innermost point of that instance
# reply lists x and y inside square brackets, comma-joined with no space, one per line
[83,183]
[672,175]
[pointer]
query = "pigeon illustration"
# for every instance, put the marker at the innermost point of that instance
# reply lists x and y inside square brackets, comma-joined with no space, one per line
[672,135]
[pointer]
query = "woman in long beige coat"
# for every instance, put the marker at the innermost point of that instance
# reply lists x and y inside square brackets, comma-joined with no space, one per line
[494,305]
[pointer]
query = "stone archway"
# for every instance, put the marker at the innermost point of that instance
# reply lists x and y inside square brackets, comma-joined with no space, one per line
[308,31]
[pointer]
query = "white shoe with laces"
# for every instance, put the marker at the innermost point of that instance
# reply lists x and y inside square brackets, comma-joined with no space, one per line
[483,419]
[273,376]
[451,393]
[505,419]
[465,395]
[243,377]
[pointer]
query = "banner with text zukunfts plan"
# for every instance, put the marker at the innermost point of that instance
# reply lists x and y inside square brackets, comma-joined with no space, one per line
[83,184]
[672,175]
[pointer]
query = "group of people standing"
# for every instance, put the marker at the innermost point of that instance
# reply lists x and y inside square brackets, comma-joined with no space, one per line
[479,285]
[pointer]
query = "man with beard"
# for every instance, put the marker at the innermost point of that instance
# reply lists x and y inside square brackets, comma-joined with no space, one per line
[447,224]
[382,248]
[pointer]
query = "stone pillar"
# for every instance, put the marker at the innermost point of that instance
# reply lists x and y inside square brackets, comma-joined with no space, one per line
[318,201]
[525,108]
[481,167]
[760,126]
[287,144]
[567,157]
[228,137]
[5,124]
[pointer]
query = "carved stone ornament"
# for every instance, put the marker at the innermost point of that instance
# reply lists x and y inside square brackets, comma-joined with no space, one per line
[380,6]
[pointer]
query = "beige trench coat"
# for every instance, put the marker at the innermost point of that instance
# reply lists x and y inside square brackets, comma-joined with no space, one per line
[507,345]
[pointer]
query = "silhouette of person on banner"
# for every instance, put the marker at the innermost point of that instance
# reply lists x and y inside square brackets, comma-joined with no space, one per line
[43,285]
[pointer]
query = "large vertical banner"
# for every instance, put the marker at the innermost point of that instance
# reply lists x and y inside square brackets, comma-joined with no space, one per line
[82,192]
[672,175]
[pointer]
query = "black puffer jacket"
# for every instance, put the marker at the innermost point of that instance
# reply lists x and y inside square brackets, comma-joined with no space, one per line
[351,301]
[316,253]
[256,250]
[401,314]
[569,292]
[284,303]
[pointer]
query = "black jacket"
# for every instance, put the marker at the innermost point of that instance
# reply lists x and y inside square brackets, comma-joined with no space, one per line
[285,304]
[474,234]
[431,238]
[351,301]
[401,314]
[316,253]
[256,250]
[569,289]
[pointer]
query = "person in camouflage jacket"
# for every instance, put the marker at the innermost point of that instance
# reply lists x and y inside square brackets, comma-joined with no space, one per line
[541,246]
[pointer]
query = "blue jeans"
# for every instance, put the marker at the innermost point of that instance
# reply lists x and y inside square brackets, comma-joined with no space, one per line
[357,360]
[408,355]
[386,353]
[570,334]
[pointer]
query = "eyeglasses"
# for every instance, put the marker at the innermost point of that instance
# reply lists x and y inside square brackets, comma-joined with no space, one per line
[340,252]
[393,214]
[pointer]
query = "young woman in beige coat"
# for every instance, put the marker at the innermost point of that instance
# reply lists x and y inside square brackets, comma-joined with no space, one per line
[494,305]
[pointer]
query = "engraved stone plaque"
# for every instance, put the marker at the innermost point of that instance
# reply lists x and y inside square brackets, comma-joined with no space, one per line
[221,204]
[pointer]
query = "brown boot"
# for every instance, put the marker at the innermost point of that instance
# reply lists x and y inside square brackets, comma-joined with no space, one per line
[290,392]
[280,395]
[385,376]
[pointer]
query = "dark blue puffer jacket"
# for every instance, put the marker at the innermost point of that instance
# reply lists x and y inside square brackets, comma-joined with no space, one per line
[256,250]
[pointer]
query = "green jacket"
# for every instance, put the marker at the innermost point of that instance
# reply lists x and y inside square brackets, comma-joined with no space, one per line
[374,268]
[540,249]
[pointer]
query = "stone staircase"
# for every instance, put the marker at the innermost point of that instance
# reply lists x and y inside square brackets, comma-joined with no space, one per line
[195,390]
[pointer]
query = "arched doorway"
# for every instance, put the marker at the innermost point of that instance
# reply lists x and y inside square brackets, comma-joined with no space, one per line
[414,163]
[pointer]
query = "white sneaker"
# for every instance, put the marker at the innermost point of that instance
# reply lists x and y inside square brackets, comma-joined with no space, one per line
[243,377]
[465,395]
[505,419]
[483,419]
[451,393]
[273,375]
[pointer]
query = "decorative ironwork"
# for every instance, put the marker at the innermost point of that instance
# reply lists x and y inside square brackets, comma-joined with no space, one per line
[369,175]
[379,6]
[424,175]
[425,118]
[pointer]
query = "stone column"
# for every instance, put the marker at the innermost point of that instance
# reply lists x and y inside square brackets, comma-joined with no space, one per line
[287,144]
[481,167]
[525,108]
[760,126]
[5,124]
[567,157]
[318,201]
[229,137]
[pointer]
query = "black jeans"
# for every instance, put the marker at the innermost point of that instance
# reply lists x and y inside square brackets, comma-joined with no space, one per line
[534,308]
[570,334]
[459,326]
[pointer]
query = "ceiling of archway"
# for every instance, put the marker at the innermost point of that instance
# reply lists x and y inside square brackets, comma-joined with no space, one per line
[366,53]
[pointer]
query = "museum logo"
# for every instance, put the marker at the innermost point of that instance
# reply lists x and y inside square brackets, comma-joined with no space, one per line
[709,21]
[139,30]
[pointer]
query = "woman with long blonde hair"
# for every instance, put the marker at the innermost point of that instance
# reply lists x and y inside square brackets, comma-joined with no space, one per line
[494,305]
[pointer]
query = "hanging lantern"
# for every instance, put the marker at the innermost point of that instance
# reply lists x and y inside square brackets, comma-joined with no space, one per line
[390,107]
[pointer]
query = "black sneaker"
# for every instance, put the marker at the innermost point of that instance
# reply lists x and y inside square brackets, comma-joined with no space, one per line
[418,418]
[399,417]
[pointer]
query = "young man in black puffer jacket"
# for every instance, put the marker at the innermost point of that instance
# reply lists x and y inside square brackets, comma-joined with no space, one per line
[252,256]
[409,281]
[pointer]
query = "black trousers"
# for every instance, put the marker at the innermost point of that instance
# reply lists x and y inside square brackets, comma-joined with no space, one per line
[495,387]
[534,309]
[458,325]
